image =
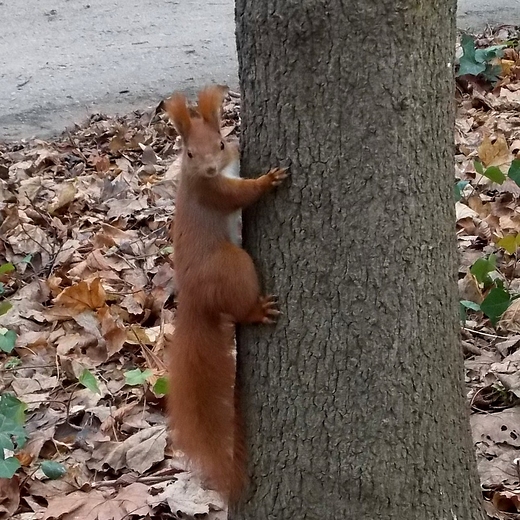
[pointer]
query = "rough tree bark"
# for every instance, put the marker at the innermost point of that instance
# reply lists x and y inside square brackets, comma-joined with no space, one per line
[354,403]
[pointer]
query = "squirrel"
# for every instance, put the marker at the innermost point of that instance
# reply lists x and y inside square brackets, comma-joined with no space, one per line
[217,288]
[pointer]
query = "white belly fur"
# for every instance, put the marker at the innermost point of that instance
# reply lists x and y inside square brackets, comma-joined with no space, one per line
[232,170]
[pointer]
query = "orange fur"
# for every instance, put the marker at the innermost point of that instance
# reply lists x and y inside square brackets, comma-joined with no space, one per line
[178,112]
[218,287]
[210,103]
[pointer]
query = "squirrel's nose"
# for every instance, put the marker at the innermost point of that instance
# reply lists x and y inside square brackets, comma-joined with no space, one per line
[211,171]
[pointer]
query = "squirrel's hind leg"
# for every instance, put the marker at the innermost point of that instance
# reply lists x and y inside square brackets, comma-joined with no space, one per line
[239,295]
[264,311]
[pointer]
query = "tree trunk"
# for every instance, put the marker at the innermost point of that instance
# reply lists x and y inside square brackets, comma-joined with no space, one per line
[354,403]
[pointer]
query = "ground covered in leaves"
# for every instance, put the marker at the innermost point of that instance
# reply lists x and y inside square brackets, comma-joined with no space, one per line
[86,286]
[86,289]
[487,193]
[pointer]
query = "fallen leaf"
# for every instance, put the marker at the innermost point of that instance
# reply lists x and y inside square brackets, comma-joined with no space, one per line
[82,296]
[9,496]
[494,153]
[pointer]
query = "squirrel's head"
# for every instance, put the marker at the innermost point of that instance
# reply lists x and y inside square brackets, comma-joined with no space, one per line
[204,149]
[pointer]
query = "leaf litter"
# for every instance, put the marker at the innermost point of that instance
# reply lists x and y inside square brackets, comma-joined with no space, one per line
[84,221]
[487,138]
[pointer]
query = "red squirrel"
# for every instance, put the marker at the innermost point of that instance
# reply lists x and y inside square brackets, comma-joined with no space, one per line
[217,287]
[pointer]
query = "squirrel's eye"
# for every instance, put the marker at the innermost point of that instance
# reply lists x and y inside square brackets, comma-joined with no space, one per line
[190,155]
[222,145]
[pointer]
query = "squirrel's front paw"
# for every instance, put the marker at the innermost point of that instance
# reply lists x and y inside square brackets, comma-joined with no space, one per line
[276,176]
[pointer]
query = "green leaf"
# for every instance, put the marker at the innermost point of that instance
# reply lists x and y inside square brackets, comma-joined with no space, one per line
[5,306]
[510,243]
[27,259]
[494,173]
[479,61]
[495,304]
[514,171]
[489,53]
[161,386]
[458,189]
[13,408]
[470,305]
[53,469]
[12,362]
[5,438]
[88,380]
[136,377]
[482,267]
[6,268]
[11,431]
[7,340]
[495,278]
[468,63]
[8,467]
[478,167]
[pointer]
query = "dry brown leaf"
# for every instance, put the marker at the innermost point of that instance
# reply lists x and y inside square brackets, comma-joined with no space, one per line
[501,427]
[510,224]
[96,261]
[65,197]
[113,331]
[494,154]
[66,344]
[186,495]
[134,499]
[37,440]
[117,416]
[9,497]
[32,338]
[101,162]
[82,296]
[510,320]
[131,304]
[139,452]
[137,335]
[119,208]
[27,311]
[469,289]
[497,468]
[97,505]
[28,385]
[506,500]
[30,239]
[476,204]
[49,489]
[145,448]
[148,156]
[463,211]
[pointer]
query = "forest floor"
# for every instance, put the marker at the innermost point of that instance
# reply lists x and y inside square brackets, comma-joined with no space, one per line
[86,286]
[487,192]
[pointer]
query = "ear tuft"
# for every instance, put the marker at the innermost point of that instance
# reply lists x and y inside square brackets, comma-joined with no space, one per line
[210,104]
[179,114]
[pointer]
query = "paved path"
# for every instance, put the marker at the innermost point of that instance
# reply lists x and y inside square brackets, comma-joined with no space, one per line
[63,59]
[475,14]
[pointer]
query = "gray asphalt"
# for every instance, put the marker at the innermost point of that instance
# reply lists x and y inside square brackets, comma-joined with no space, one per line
[61,60]
[476,14]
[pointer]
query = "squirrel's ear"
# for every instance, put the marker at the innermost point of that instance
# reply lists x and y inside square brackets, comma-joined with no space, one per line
[210,104]
[179,114]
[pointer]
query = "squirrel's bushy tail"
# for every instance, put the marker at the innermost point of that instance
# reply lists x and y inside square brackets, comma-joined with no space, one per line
[203,400]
